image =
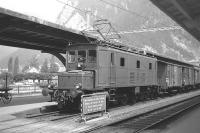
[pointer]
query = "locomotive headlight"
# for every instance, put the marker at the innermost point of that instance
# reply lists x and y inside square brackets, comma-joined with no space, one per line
[78,86]
[49,86]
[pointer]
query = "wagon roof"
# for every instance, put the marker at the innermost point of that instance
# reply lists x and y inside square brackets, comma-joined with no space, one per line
[173,61]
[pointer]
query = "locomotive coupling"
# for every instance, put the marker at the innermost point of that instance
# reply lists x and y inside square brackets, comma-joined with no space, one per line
[46,91]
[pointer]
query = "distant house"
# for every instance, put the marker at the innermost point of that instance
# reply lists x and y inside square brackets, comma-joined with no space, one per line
[3,70]
[32,70]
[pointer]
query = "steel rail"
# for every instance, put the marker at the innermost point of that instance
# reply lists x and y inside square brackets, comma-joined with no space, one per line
[159,117]
[41,114]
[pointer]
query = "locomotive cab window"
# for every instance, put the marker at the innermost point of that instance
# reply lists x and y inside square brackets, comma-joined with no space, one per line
[71,57]
[92,54]
[122,61]
[81,56]
[150,66]
[138,64]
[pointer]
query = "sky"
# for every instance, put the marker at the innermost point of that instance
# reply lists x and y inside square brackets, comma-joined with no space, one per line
[49,10]
[44,9]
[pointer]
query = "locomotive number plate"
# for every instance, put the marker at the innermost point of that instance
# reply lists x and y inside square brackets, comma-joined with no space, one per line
[93,103]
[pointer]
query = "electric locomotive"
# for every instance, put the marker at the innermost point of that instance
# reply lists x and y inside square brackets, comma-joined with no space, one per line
[123,73]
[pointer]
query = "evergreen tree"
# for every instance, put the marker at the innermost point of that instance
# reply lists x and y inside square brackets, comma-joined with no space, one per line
[53,66]
[10,65]
[16,66]
[34,62]
[44,68]
[25,68]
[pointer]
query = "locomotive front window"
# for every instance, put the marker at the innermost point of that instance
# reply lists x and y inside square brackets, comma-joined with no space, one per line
[92,54]
[81,56]
[71,57]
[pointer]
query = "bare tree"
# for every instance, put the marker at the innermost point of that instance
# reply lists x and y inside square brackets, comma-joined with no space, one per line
[16,66]
[44,68]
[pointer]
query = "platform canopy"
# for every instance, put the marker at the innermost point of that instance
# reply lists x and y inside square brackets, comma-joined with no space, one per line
[184,12]
[19,30]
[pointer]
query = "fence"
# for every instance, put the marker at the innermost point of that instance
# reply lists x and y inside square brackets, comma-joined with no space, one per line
[25,89]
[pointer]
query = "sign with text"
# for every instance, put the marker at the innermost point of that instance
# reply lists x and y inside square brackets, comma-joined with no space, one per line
[93,103]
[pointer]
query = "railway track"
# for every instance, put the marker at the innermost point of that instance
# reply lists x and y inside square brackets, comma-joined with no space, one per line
[136,124]
[61,114]
[39,118]
[145,121]
[42,114]
[52,116]
[154,118]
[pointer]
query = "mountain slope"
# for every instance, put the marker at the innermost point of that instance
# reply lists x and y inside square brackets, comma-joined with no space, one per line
[130,15]
[25,55]
[125,15]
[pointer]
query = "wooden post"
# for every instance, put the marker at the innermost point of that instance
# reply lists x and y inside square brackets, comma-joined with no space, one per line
[18,89]
[6,80]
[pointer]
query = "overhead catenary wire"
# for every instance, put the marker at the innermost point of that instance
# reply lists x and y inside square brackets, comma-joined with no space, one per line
[124,9]
[149,30]
[82,10]
[153,29]
[139,30]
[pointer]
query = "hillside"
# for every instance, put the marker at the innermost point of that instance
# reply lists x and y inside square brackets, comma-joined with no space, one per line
[131,15]
[25,55]
[126,16]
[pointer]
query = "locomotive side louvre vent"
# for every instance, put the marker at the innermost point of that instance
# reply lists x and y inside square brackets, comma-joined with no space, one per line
[132,77]
[138,76]
[142,78]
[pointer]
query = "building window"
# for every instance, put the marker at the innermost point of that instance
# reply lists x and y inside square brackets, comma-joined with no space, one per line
[138,64]
[150,66]
[112,60]
[92,54]
[122,61]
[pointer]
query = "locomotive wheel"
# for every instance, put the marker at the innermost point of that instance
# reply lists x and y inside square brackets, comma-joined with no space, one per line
[132,100]
[7,98]
[123,100]
[77,105]
[60,106]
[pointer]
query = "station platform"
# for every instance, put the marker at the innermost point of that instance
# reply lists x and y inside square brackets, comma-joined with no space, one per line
[28,95]
[135,110]
[74,124]
[6,112]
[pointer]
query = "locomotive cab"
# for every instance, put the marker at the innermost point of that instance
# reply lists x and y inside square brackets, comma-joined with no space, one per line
[81,57]
[81,63]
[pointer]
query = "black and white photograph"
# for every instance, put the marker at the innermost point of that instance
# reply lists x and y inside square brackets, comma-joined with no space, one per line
[99,66]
